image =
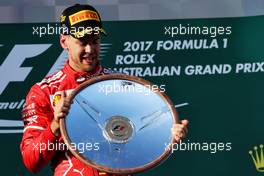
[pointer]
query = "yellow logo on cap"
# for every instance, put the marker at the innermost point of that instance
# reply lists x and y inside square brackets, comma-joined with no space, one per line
[62,18]
[83,16]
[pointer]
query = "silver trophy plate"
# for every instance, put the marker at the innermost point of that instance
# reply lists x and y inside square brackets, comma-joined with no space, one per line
[119,124]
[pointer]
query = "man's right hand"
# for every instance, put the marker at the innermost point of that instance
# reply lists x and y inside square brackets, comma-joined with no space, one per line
[61,110]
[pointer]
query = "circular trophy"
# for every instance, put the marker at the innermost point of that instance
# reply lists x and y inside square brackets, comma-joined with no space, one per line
[119,124]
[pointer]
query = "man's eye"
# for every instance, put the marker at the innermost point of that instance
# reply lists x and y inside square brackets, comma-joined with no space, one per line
[96,41]
[83,43]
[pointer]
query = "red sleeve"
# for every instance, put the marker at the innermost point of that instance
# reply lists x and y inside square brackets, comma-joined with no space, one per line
[37,115]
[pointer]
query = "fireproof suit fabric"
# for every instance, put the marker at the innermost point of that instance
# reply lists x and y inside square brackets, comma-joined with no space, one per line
[39,146]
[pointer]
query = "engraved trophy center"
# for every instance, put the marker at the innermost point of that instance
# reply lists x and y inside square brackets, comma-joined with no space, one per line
[119,129]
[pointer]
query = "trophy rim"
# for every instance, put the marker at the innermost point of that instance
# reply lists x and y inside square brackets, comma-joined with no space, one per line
[99,167]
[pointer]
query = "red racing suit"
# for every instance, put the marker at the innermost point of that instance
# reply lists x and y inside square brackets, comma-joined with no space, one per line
[37,115]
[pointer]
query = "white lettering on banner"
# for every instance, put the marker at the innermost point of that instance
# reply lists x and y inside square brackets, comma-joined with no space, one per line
[135,59]
[250,67]
[207,69]
[12,105]
[151,71]
[136,46]
[11,69]
[190,44]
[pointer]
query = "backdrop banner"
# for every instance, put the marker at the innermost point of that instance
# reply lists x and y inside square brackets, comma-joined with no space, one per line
[212,70]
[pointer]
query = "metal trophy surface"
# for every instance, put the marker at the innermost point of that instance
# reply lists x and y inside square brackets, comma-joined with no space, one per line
[119,124]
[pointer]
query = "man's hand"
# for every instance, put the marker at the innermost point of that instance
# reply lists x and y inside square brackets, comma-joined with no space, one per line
[179,131]
[61,110]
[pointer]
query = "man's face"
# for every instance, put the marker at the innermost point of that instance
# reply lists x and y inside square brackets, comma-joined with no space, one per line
[83,53]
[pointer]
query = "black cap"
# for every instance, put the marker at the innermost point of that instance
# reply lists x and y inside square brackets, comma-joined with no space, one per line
[80,20]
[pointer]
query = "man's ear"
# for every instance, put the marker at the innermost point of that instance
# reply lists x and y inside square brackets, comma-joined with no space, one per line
[64,42]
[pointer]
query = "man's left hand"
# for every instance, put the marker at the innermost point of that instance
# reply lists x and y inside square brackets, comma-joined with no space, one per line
[179,131]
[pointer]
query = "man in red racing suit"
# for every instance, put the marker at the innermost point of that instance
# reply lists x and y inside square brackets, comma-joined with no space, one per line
[36,146]
[47,103]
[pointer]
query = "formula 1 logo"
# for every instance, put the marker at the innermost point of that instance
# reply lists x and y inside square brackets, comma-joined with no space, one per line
[12,64]
[11,70]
